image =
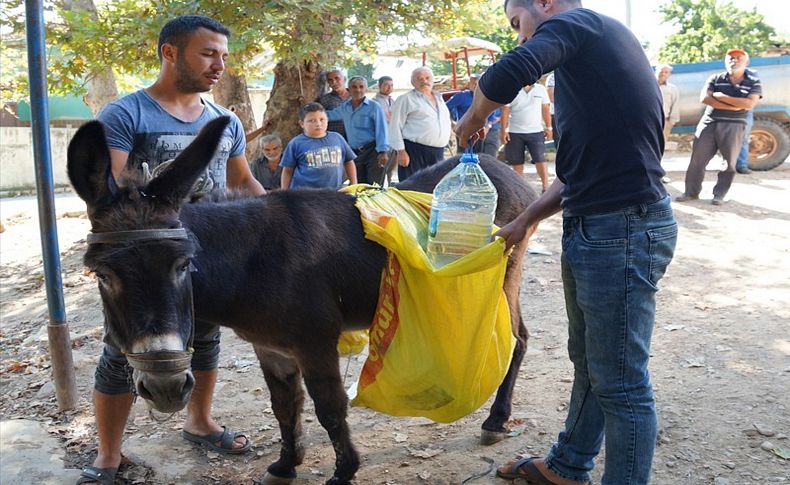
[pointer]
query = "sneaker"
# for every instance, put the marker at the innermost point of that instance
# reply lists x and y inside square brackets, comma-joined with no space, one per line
[744,170]
[686,197]
[717,200]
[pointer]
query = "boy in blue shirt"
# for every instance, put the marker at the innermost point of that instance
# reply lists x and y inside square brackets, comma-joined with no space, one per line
[317,158]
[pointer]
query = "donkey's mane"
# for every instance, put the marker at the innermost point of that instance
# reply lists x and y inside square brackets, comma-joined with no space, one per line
[219,196]
[135,181]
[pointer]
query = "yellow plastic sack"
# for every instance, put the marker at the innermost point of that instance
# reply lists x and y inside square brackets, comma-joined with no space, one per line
[441,341]
[352,342]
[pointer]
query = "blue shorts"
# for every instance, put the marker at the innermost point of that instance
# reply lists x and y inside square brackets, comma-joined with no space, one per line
[113,375]
[534,142]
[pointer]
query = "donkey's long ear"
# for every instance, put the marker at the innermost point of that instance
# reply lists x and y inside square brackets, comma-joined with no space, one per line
[175,182]
[89,164]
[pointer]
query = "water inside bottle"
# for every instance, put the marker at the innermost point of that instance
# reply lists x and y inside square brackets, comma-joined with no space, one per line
[462,213]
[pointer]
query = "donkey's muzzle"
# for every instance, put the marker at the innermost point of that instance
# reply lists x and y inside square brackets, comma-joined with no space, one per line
[163,378]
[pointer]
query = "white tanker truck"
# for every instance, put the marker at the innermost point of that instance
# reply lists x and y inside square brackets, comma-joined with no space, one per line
[769,143]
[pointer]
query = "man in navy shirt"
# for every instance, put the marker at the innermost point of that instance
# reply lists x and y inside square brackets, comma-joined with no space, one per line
[729,96]
[619,233]
[366,131]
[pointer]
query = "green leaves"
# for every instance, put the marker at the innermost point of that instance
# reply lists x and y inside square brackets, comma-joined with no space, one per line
[709,27]
[84,38]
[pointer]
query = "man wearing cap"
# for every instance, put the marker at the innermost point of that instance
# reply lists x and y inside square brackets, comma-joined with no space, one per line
[729,96]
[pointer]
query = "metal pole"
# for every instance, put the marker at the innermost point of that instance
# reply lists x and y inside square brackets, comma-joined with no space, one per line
[466,58]
[454,61]
[58,329]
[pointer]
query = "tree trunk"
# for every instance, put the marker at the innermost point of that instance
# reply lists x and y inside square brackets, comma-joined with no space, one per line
[231,92]
[101,90]
[294,85]
[101,85]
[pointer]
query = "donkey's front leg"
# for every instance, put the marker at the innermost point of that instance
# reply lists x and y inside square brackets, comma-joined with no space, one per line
[283,379]
[322,378]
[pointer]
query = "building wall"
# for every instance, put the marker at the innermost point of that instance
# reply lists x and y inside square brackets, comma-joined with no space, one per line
[17,167]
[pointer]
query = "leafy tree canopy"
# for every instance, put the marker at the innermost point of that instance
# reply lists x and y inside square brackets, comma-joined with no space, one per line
[485,20]
[709,27]
[123,33]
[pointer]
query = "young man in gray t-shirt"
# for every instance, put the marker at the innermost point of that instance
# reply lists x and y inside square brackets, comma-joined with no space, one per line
[152,126]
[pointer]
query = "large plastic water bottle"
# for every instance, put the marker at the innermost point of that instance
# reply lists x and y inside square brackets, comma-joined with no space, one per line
[462,212]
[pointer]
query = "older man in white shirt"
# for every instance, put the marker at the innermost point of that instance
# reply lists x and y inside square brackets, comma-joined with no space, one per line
[671,96]
[420,125]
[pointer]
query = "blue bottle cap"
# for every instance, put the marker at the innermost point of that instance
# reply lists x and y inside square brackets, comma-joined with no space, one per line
[469,157]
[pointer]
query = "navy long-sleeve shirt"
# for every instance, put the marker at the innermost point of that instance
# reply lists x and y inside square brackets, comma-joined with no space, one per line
[607,107]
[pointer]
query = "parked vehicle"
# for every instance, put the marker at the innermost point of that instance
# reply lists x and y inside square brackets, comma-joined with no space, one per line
[769,142]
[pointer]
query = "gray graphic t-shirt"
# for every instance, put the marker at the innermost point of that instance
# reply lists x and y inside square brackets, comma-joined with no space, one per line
[138,125]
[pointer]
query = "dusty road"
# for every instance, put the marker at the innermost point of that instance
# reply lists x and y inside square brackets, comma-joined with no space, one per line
[720,366]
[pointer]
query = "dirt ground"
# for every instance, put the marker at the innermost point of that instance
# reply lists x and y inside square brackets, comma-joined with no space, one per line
[720,364]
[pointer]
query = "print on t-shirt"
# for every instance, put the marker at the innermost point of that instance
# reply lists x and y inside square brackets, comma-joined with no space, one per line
[323,157]
[157,148]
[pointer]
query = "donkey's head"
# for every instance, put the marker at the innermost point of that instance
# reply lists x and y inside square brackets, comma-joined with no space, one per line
[141,257]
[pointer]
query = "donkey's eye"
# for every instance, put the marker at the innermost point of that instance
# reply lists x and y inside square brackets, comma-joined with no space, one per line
[184,266]
[102,277]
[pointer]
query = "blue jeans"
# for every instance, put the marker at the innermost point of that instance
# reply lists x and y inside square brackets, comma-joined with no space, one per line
[611,264]
[743,156]
[112,374]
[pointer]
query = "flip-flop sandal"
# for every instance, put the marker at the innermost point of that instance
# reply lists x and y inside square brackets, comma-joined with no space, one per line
[226,437]
[526,470]
[103,476]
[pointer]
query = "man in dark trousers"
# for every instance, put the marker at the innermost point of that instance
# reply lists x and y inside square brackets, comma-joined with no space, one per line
[419,128]
[729,96]
[366,131]
[619,233]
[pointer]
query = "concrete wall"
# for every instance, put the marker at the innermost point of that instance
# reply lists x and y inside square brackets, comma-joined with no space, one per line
[17,168]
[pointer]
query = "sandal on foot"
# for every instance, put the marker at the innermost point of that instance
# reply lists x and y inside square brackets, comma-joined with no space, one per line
[103,476]
[524,469]
[226,437]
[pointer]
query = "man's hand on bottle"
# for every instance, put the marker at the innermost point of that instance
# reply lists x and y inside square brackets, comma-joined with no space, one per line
[467,126]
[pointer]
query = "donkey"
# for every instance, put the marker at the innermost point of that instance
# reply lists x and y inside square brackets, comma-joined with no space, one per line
[307,247]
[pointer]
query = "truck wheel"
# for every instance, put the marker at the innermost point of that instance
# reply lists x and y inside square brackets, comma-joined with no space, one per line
[769,144]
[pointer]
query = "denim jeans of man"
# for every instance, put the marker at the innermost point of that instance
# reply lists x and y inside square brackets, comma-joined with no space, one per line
[611,264]
[743,156]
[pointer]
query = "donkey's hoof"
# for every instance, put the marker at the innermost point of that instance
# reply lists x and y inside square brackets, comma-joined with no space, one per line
[337,481]
[269,479]
[490,437]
